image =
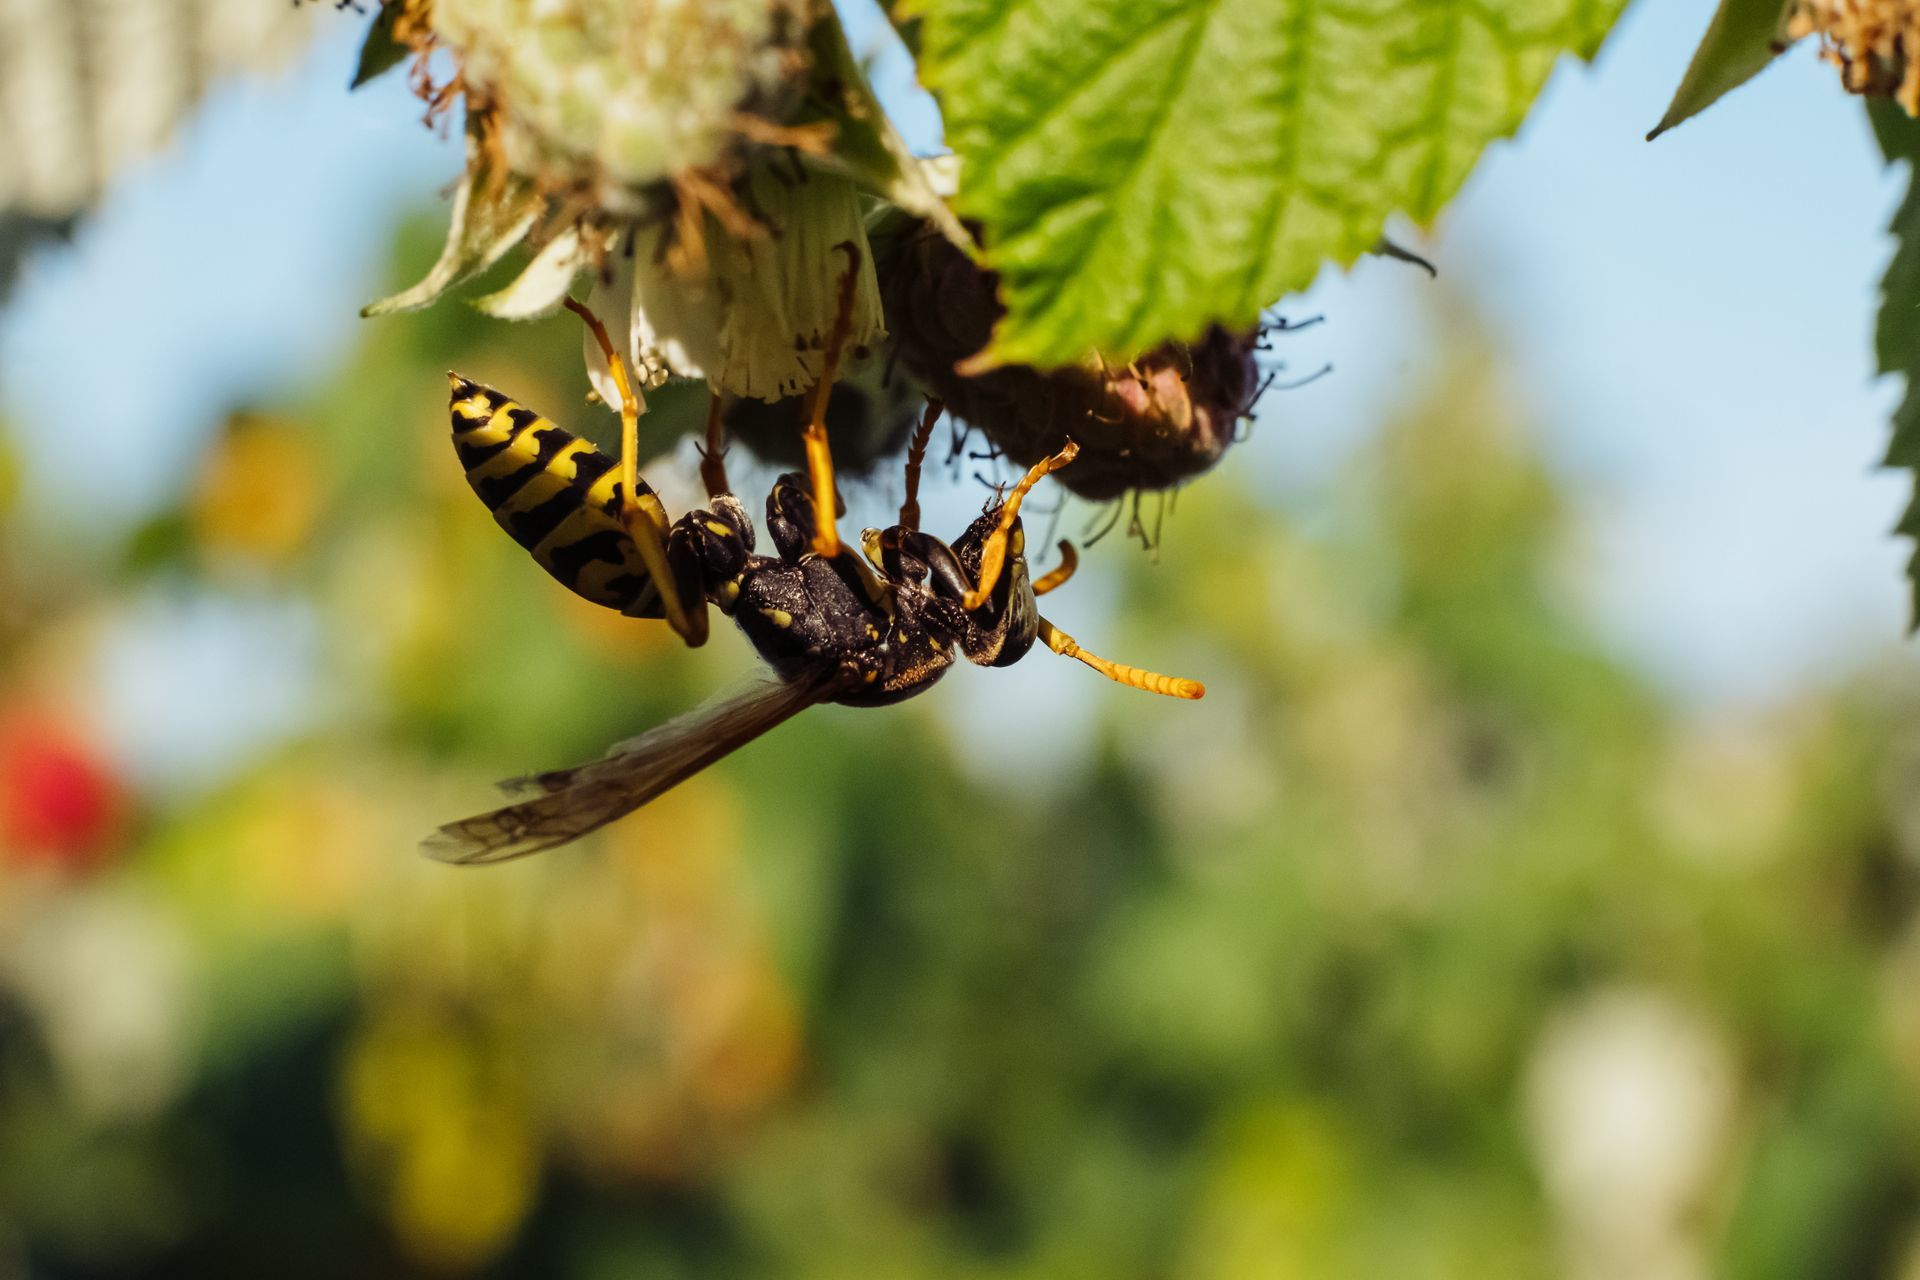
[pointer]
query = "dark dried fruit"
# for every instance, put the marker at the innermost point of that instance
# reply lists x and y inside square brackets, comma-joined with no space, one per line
[1165,418]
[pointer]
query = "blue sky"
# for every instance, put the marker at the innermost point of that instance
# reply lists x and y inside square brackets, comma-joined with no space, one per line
[1689,319]
[1694,319]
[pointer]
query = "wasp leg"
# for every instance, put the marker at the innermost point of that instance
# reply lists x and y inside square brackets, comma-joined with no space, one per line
[645,519]
[1133,677]
[826,537]
[916,456]
[713,453]
[1069,561]
[993,554]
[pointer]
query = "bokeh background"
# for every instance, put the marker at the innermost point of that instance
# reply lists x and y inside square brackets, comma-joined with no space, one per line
[1537,892]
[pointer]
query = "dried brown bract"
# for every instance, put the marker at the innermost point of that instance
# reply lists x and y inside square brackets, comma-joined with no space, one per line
[1871,41]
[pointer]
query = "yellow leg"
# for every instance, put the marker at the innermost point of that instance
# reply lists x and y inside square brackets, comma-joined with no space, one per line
[1069,561]
[645,518]
[1133,677]
[916,457]
[826,534]
[993,556]
[713,454]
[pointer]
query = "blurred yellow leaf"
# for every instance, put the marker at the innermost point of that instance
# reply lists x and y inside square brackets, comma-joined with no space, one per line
[440,1127]
[9,476]
[260,492]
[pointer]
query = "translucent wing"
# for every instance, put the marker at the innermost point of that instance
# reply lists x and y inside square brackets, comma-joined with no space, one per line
[572,802]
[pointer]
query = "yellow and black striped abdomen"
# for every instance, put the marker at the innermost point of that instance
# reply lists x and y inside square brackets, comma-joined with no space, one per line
[555,494]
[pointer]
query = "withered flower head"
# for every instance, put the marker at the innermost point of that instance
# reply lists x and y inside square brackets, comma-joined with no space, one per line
[706,160]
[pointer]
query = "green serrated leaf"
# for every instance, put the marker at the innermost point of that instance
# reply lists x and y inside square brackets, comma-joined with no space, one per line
[1744,36]
[380,52]
[1145,167]
[1897,335]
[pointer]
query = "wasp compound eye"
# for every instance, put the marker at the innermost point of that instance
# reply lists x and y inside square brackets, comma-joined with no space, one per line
[1166,417]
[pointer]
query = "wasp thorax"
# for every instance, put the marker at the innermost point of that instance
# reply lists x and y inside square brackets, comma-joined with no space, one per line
[1871,41]
[1163,418]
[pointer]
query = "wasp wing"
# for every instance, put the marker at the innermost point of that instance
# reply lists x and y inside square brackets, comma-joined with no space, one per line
[589,796]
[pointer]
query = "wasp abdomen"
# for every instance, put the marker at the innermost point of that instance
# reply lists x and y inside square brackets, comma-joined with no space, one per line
[554,494]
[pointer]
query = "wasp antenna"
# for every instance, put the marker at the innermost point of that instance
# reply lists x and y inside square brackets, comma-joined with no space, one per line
[1133,677]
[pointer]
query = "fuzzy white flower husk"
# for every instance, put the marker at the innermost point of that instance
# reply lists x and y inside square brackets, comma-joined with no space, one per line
[753,314]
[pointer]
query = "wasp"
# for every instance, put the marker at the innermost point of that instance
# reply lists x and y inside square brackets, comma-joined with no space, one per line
[862,628]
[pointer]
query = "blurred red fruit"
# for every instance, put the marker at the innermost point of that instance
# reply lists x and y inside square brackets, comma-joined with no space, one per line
[59,801]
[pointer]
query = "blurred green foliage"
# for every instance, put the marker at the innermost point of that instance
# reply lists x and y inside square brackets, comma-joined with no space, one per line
[1431,944]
